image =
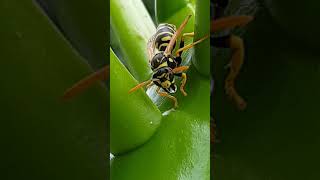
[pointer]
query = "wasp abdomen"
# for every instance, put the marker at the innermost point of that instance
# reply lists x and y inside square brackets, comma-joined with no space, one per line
[163,36]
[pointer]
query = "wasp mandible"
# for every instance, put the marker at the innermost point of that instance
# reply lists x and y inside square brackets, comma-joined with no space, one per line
[164,65]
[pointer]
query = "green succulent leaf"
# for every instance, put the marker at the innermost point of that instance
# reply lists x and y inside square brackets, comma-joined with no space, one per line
[166,9]
[132,27]
[175,12]
[180,147]
[134,118]
[202,28]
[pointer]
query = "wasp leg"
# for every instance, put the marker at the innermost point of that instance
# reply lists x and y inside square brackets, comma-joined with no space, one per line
[191,34]
[82,85]
[236,44]
[177,71]
[183,83]
[139,86]
[191,45]
[229,22]
[150,84]
[165,94]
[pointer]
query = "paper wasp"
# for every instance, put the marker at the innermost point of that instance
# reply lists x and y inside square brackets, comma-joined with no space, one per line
[164,65]
[231,41]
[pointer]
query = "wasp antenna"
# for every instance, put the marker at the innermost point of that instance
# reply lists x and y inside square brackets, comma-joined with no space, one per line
[82,85]
[229,22]
[191,45]
[139,86]
[175,36]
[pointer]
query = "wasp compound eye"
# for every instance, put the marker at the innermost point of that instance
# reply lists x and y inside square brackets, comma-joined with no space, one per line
[172,89]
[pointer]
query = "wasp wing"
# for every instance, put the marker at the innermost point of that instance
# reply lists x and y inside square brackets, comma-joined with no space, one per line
[151,47]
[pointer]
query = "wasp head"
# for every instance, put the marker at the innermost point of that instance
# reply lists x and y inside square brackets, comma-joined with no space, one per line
[164,78]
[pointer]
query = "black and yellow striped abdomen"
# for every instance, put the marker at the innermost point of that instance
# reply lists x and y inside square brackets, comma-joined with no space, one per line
[163,36]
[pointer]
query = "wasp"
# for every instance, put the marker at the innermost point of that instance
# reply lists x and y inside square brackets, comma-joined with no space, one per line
[164,65]
[235,43]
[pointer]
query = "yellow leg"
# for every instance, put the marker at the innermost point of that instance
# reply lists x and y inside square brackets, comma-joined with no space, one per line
[237,46]
[164,94]
[191,34]
[183,83]
[150,84]
[139,86]
[183,76]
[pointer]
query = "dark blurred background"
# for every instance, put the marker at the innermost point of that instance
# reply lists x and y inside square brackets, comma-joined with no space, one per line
[277,136]
[45,47]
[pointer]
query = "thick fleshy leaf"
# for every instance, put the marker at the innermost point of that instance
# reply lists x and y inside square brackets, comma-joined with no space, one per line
[132,27]
[165,9]
[175,12]
[134,118]
[180,149]
[202,28]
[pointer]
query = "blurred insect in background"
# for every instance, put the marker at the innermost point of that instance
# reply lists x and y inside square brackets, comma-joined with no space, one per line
[220,23]
[164,65]
[234,42]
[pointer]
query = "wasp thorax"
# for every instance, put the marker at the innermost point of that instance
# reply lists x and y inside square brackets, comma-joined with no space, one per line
[160,60]
[164,78]
[157,60]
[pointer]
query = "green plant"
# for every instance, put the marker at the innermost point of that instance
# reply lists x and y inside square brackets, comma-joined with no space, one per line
[176,144]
